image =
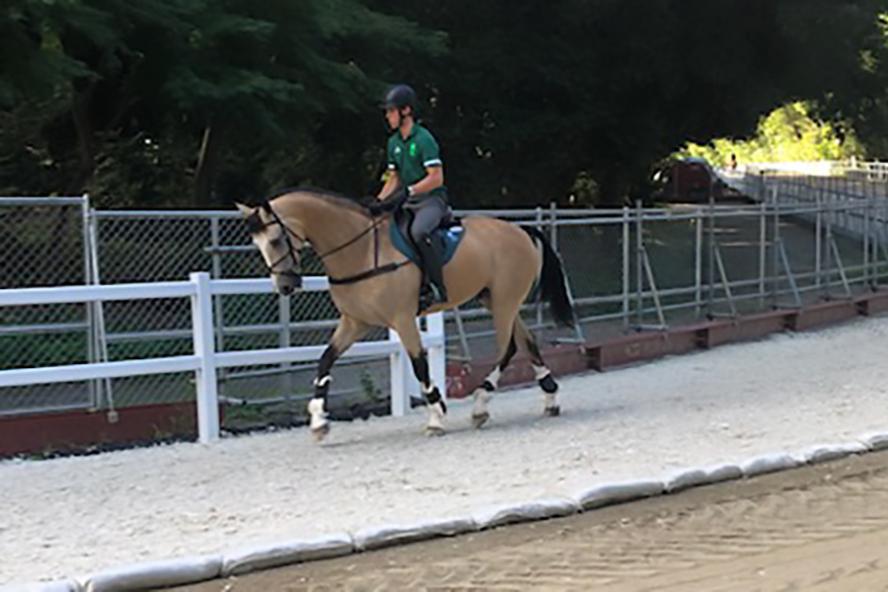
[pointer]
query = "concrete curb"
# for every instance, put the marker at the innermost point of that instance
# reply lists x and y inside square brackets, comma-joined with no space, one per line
[185,571]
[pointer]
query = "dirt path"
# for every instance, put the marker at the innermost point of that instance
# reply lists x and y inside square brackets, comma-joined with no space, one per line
[813,529]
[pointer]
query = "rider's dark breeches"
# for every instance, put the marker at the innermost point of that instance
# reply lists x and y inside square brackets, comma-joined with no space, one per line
[426,217]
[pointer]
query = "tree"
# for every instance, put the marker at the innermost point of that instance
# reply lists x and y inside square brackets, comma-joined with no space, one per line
[787,134]
[199,88]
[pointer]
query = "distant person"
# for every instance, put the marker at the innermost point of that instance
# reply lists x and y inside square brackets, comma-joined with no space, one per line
[733,165]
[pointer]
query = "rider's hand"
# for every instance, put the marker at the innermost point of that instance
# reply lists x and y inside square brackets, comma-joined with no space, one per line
[376,207]
[392,202]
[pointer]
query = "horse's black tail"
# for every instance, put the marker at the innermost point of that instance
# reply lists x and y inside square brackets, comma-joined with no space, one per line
[551,281]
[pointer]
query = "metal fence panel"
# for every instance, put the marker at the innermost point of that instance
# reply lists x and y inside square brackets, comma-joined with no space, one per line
[43,242]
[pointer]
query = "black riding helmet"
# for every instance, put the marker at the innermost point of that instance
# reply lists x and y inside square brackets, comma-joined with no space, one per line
[400,96]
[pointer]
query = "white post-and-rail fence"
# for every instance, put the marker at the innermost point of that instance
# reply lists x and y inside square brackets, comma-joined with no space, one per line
[206,360]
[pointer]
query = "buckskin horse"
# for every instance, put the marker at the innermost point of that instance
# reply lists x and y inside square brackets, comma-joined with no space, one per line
[374,284]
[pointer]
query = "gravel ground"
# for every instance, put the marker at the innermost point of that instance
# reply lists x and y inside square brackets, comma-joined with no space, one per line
[68,516]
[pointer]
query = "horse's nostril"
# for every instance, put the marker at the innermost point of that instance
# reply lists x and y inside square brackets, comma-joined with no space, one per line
[286,290]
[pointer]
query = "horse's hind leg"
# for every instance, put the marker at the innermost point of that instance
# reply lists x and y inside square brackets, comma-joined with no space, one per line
[504,318]
[542,373]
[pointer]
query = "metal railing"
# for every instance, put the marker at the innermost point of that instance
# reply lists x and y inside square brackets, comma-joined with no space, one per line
[632,268]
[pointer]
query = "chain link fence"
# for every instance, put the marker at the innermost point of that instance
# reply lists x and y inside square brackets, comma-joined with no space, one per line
[43,242]
[628,269]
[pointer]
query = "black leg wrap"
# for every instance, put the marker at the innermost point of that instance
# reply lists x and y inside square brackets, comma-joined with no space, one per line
[421,368]
[535,356]
[322,382]
[322,386]
[435,397]
[488,386]
[548,384]
[510,353]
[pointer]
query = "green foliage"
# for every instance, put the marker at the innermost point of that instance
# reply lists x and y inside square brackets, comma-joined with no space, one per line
[368,385]
[195,103]
[789,133]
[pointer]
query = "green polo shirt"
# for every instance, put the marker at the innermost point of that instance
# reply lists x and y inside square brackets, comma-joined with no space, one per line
[413,155]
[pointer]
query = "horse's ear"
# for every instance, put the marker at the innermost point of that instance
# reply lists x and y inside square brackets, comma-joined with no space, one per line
[245,210]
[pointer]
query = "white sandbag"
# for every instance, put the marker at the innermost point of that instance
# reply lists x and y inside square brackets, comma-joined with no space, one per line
[55,586]
[244,560]
[615,493]
[524,512]
[701,476]
[826,452]
[155,574]
[875,440]
[384,536]
[684,479]
[768,463]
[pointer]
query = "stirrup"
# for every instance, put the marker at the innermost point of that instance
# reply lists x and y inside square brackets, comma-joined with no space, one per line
[430,295]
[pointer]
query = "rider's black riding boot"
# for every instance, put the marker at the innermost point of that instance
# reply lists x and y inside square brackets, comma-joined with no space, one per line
[433,290]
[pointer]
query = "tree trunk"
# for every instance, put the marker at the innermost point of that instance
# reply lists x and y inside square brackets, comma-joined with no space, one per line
[85,140]
[208,159]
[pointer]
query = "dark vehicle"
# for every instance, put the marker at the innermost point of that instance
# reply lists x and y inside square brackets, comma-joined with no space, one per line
[689,181]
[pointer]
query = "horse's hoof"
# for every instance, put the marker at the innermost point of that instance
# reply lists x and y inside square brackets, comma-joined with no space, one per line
[480,419]
[434,431]
[552,411]
[321,432]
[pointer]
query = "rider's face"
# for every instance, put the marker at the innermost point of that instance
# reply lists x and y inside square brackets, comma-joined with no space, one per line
[391,116]
[394,118]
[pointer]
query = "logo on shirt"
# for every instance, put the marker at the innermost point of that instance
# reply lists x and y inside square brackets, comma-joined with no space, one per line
[412,149]
[397,150]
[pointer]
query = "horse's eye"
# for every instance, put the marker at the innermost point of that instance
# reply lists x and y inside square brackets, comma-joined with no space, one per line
[276,242]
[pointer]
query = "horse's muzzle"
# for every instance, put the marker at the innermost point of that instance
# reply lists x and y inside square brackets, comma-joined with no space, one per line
[288,283]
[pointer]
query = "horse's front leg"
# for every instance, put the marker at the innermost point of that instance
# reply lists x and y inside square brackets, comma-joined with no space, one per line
[347,332]
[412,342]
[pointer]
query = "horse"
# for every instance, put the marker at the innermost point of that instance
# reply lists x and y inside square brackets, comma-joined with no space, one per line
[373,284]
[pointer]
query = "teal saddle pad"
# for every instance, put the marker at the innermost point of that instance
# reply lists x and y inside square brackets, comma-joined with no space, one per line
[445,239]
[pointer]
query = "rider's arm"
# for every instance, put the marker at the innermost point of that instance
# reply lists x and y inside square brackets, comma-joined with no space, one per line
[391,183]
[434,178]
[392,180]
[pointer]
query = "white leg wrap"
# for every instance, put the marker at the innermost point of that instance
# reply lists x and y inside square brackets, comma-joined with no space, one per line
[550,400]
[482,398]
[318,415]
[427,389]
[436,416]
[540,372]
[493,377]
[323,381]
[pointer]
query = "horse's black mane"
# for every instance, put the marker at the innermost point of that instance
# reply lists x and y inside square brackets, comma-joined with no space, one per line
[325,194]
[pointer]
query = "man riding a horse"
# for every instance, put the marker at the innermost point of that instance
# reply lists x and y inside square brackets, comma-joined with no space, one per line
[415,180]
[375,280]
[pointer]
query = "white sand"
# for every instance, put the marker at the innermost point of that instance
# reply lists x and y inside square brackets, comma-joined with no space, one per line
[70,516]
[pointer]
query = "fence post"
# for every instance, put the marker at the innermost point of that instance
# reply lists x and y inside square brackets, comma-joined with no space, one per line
[539,299]
[400,378]
[626,279]
[90,306]
[205,349]
[698,262]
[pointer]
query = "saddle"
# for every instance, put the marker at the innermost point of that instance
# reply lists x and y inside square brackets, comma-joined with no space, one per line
[445,239]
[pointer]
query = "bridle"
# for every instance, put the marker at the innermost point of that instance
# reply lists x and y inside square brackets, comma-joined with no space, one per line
[256,225]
